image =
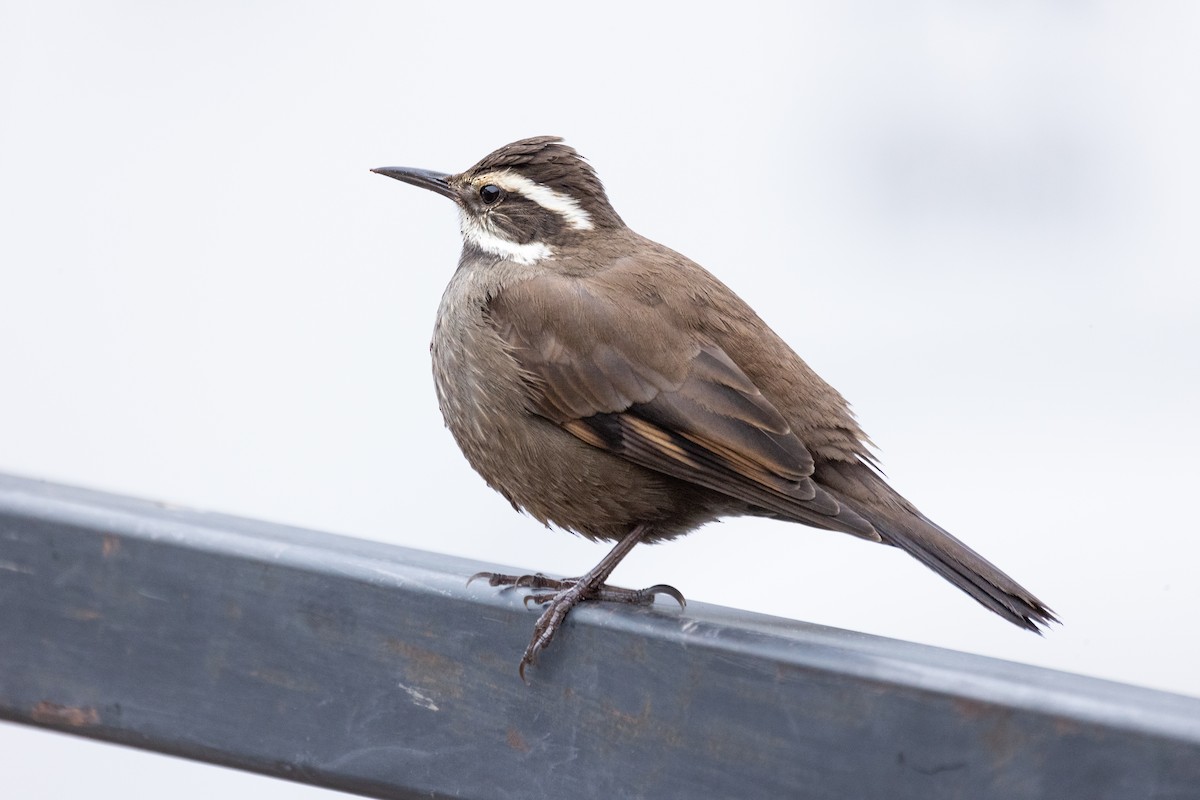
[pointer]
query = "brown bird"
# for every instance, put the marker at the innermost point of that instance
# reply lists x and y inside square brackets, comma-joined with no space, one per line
[608,385]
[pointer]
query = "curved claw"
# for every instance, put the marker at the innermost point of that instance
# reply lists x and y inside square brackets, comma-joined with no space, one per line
[526,661]
[529,658]
[481,575]
[669,591]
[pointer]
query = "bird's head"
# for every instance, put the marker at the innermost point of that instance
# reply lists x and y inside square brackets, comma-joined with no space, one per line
[523,201]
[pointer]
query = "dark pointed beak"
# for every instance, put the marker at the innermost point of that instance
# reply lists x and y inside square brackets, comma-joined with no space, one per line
[425,178]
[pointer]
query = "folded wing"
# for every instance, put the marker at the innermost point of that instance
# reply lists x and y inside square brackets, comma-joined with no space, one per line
[669,401]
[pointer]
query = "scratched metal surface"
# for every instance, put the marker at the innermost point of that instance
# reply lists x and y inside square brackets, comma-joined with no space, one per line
[374,669]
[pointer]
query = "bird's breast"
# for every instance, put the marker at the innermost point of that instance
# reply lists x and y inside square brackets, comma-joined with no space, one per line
[478,385]
[536,464]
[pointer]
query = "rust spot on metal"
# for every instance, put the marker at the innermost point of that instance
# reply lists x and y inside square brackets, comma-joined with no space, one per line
[972,709]
[1064,726]
[516,741]
[110,546]
[630,723]
[427,668]
[48,713]
[82,614]
[283,680]
[328,620]
[1002,738]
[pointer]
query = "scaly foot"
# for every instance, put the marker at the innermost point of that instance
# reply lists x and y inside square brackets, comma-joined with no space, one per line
[568,593]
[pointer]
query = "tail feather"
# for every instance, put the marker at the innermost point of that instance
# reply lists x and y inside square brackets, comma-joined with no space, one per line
[947,556]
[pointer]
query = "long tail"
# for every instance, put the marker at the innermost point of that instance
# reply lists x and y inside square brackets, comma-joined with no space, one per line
[930,544]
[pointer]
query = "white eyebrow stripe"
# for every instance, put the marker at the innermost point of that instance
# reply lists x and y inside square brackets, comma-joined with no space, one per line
[475,233]
[562,204]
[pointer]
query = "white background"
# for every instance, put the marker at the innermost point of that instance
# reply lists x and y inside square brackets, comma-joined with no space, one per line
[978,220]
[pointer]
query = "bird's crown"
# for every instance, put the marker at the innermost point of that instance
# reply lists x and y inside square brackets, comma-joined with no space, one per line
[524,198]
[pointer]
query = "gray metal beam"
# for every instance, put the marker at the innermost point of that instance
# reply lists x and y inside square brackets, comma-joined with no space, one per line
[375,669]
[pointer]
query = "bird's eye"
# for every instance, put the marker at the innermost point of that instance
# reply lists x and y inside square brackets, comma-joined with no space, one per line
[489,193]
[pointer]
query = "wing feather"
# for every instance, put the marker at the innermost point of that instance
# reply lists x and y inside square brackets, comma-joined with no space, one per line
[682,406]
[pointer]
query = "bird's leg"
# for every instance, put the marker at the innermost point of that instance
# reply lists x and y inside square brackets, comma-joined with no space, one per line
[570,592]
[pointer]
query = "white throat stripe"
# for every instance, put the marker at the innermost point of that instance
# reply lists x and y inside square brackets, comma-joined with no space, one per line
[488,242]
[564,205]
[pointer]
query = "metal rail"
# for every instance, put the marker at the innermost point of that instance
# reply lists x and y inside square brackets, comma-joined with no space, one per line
[374,669]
